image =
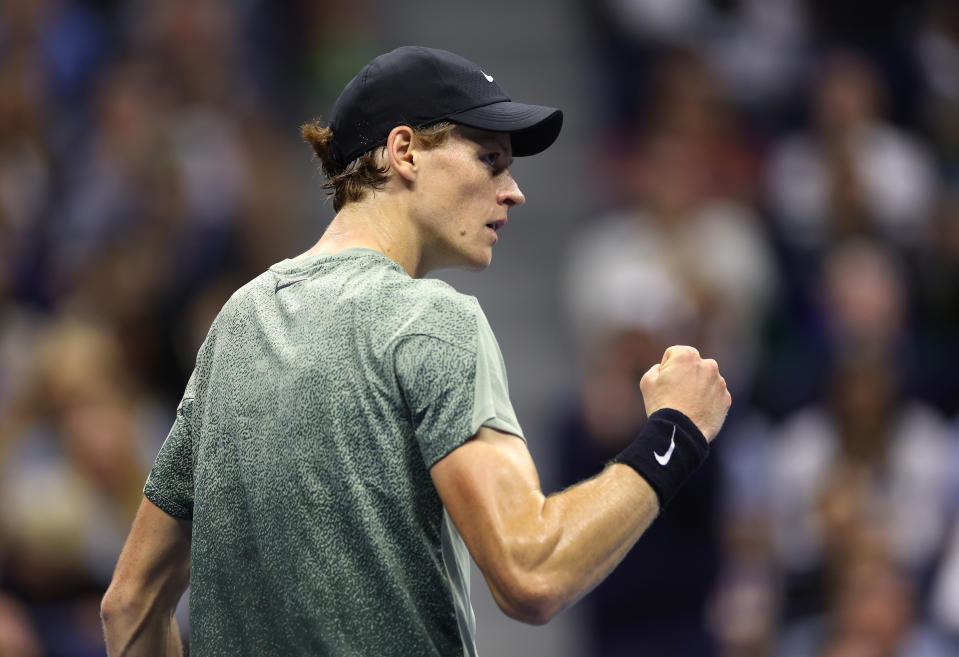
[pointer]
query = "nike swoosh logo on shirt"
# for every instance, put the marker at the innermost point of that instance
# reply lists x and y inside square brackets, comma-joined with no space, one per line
[663,459]
[280,286]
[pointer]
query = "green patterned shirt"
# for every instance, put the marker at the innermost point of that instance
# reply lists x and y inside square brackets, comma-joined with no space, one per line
[324,392]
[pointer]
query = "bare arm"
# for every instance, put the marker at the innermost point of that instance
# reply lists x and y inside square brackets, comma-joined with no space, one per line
[540,554]
[151,575]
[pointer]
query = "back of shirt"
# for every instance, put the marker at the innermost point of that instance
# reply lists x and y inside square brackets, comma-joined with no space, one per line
[324,392]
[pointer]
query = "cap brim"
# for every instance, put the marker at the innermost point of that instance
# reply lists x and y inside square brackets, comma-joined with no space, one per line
[532,128]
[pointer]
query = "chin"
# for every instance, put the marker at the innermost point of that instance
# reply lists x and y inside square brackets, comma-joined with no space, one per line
[474,261]
[481,263]
[472,265]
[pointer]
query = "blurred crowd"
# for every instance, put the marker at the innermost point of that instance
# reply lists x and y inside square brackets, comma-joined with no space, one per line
[780,187]
[148,167]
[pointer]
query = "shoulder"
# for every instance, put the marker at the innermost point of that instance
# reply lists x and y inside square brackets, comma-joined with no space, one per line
[229,321]
[242,300]
[434,308]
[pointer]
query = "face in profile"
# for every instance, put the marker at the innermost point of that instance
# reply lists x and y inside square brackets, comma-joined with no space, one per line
[463,193]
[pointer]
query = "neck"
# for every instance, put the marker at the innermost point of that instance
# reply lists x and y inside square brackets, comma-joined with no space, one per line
[378,226]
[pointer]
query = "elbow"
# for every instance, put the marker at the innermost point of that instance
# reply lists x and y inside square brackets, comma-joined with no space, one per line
[537,613]
[530,599]
[112,607]
[117,606]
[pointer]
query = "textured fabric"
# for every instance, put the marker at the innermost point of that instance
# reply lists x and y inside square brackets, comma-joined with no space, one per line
[666,452]
[325,390]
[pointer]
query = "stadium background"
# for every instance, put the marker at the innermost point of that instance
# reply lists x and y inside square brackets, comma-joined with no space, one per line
[775,181]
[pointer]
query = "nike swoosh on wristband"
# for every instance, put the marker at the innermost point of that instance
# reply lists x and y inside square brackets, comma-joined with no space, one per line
[280,286]
[663,459]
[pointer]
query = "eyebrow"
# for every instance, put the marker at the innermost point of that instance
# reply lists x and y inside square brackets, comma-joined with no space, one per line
[487,139]
[506,150]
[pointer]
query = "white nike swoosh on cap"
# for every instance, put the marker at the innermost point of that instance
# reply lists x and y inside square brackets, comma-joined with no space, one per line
[489,78]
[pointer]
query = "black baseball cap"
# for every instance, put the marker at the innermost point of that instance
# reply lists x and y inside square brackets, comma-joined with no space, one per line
[417,86]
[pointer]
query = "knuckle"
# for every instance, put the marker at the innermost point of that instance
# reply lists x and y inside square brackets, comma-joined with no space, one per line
[683,352]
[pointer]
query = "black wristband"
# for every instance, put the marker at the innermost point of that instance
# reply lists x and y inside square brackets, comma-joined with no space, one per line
[668,449]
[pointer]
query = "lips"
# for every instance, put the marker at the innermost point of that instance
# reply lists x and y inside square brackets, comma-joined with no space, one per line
[496,225]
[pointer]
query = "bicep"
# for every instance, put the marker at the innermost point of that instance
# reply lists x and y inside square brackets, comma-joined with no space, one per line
[539,554]
[491,491]
[155,561]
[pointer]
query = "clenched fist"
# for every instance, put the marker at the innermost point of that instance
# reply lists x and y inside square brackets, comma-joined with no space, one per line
[690,384]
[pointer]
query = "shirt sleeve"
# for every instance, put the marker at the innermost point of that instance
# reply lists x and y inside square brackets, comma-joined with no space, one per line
[452,390]
[491,404]
[170,483]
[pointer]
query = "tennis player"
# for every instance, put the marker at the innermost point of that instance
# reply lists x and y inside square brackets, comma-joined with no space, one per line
[346,440]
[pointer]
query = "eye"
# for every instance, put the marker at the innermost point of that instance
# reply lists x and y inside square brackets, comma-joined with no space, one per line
[490,159]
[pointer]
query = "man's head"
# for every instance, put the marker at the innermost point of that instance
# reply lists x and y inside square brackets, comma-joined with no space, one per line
[430,91]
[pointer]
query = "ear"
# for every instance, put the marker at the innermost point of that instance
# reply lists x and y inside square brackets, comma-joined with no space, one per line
[401,152]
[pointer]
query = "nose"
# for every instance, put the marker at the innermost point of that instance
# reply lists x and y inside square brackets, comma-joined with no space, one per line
[510,194]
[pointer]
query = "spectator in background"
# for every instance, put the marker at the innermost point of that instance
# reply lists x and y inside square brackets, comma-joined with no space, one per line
[758,48]
[686,101]
[938,56]
[193,46]
[17,636]
[866,462]
[744,609]
[199,44]
[689,102]
[866,455]
[935,296]
[944,602]
[140,193]
[27,168]
[873,612]
[130,211]
[70,43]
[853,173]
[128,189]
[74,448]
[938,46]
[686,261]
[682,259]
[27,183]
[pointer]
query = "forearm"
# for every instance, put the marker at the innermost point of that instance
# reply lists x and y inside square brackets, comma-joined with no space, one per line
[151,575]
[140,630]
[595,523]
[578,537]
